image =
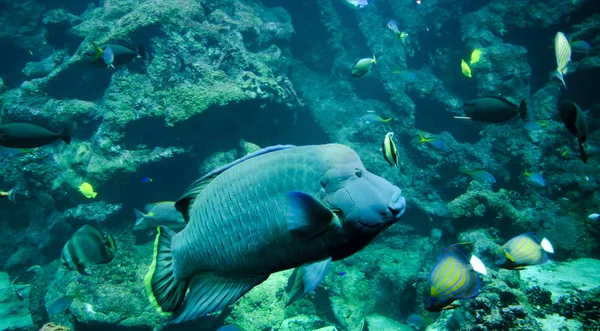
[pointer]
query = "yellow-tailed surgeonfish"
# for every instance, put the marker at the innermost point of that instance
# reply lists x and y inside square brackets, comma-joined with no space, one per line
[453,277]
[562,50]
[87,247]
[522,251]
[390,153]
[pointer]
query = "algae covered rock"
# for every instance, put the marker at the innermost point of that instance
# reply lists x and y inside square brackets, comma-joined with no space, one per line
[112,296]
[14,314]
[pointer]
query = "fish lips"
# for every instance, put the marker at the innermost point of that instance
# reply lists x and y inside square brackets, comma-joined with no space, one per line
[396,209]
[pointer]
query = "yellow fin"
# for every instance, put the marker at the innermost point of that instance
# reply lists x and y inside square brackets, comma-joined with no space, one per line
[509,257]
[99,51]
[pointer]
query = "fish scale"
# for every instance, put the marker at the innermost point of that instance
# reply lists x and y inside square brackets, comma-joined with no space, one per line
[260,211]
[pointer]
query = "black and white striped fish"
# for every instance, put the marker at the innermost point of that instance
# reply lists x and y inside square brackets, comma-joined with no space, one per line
[87,247]
[390,153]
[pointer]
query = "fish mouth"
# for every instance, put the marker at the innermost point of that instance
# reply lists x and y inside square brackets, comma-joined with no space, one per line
[371,225]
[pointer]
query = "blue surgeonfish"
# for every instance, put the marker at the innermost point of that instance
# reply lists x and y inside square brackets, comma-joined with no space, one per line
[522,251]
[278,208]
[453,277]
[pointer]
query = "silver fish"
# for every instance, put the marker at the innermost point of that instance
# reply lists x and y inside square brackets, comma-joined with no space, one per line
[160,213]
[278,208]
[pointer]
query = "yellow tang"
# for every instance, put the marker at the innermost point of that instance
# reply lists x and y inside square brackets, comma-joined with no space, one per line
[87,190]
[465,68]
[475,56]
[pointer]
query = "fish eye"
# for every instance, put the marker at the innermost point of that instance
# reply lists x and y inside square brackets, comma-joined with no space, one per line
[358,173]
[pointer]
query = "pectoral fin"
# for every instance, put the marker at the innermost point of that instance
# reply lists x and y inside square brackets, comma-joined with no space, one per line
[306,214]
[308,277]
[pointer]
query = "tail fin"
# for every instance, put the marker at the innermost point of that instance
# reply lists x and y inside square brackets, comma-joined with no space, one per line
[373,60]
[65,135]
[584,156]
[386,121]
[99,51]
[523,110]
[141,51]
[165,292]
[422,138]
[139,217]
[560,76]
[12,194]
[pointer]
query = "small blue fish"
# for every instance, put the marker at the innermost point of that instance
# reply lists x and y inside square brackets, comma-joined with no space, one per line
[393,25]
[580,46]
[342,273]
[535,178]
[522,251]
[147,180]
[8,151]
[481,176]
[452,278]
[408,76]
[417,322]
[535,125]
[372,118]
[109,57]
[61,305]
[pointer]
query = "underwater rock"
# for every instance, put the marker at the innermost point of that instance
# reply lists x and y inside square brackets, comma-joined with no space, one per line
[301,323]
[43,67]
[91,213]
[378,322]
[14,315]
[57,23]
[478,199]
[54,327]
[263,307]
[112,296]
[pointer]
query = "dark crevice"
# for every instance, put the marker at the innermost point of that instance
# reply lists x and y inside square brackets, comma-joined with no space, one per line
[12,60]
[431,117]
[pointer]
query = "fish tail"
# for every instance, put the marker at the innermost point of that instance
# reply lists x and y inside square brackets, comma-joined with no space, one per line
[65,135]
[584,156]
[386,121]
[99,51]
[422,138]
[141,51]
[374,60]
[139,217]
[558,74]
[165,292]
[12,194]
[523,109]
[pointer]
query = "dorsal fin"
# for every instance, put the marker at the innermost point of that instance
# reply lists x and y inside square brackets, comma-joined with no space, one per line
[183,204]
